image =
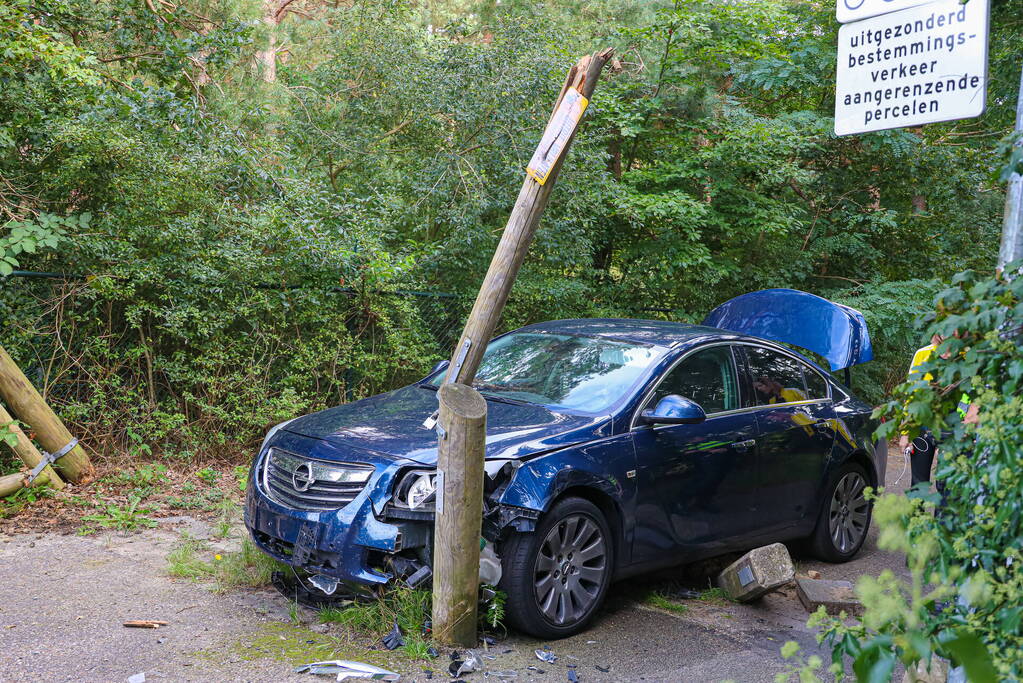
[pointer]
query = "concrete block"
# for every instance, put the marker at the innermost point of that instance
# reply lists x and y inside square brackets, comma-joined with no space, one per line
[759,571]
[836,596]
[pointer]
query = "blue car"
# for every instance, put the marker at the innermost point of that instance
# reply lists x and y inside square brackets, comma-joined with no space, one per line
[614,447]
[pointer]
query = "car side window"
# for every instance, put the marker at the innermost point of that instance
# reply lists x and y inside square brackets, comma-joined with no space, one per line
[816,387]
[707,377]
[776,378]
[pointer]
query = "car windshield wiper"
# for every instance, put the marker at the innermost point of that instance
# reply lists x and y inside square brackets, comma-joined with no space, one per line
[505,399]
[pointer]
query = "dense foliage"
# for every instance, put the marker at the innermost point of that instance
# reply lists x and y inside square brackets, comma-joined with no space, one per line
[964,547]
[257,194]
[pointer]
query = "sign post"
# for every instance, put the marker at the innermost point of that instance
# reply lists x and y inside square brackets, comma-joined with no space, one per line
[923,64]
[1012,228]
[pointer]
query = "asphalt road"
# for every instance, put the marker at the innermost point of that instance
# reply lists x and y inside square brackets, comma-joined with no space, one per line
[63,600]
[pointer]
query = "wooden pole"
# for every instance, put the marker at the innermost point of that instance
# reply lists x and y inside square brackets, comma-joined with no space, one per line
[518,234]
[28,453]
[25,402]
[462,415]
[456,546]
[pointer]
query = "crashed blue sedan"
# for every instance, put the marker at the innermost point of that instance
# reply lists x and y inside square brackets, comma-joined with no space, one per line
[614,447]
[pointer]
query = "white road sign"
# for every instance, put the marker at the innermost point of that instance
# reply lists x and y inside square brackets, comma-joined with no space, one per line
[919,65]
[854,10]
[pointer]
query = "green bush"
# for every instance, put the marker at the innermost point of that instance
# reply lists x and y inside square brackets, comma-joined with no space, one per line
[965,550]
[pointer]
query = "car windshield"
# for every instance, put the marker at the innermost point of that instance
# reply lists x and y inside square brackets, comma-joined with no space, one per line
[578,373]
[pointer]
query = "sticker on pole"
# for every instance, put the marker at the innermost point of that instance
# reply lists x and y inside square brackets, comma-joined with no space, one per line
[556,136]
[919,65]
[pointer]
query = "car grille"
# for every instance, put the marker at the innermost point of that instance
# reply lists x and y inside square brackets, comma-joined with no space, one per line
[308,484]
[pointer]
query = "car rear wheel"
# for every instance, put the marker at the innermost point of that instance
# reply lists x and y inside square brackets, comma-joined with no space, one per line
[557,576]
[844,516]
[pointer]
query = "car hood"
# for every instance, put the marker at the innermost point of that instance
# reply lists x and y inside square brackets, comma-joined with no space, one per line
[392,424]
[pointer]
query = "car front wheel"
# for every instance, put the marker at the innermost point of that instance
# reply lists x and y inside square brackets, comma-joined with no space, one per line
[844,516]
[556,577]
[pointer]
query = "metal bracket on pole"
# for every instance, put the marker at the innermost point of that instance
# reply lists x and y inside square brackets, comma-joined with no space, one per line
[50,458]
[460,360]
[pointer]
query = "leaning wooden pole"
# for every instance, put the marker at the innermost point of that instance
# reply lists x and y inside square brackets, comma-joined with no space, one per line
[25,402]
[518,234]
[461,445]
[29,454]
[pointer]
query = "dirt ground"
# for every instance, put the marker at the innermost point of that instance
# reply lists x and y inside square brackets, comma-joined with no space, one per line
[63,599]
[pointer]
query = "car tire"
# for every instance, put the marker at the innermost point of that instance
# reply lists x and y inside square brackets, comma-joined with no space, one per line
[556,577]
[844,518]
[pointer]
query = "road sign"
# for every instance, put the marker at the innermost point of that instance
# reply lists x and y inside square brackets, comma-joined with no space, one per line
[854,10]
[918,65]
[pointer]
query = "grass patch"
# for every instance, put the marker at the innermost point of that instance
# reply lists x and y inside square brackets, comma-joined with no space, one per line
[408,607]
[717,596]
[206,501]
[663,601]
[128,517]
[184,563]
[246,567]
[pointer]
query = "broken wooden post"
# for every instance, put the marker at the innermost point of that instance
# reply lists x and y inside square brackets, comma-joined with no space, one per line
[460,462]
[29,454]
[462,426]
[518,234]
[25,402]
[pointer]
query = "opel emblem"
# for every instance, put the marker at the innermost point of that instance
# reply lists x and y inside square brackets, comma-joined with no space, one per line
[302,478]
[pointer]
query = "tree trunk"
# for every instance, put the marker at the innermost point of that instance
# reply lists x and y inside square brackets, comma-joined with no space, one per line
[28,453]
[266,59]
[25,402]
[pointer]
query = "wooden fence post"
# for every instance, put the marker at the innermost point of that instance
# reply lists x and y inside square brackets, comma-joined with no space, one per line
[462,425]
[29,455]
[25,402]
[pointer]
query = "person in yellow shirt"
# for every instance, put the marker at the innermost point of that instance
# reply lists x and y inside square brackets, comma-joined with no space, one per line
[924,447]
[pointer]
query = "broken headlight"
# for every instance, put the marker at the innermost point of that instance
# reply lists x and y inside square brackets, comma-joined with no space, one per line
[417,490]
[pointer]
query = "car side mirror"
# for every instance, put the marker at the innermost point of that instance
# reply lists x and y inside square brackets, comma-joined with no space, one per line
[673,410]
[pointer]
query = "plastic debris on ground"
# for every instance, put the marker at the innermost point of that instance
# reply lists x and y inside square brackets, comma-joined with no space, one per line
[602,669]
[293,588]
[345,670]
[546,656]
[432,651]
[572,676]
[535,669]
[137,678]
[459,665]
[503,675]
[327,584]
[394,639]
[488,641]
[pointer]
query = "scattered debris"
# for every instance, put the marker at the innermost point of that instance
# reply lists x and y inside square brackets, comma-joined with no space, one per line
[394,639]
[421,575]
[488,641]
[758,572]
[535,669]
[432,651]
[546,656]
[602,669]
[490,565]
[501,674]
[293,588]
[572,677]
[327,584]
[137,678]
[145,623]
[464,665]
[835,596]
[348,670]
[814,574]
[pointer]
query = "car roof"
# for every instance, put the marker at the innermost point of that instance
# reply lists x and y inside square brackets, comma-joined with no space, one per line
[658,332]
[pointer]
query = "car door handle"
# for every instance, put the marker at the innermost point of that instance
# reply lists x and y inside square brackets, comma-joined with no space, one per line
[744,445]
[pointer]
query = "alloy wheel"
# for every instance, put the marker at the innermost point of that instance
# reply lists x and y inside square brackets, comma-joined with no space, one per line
[849,512]
[570,569]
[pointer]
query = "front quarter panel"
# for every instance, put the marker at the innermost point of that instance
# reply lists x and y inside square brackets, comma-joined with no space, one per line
[604,469]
